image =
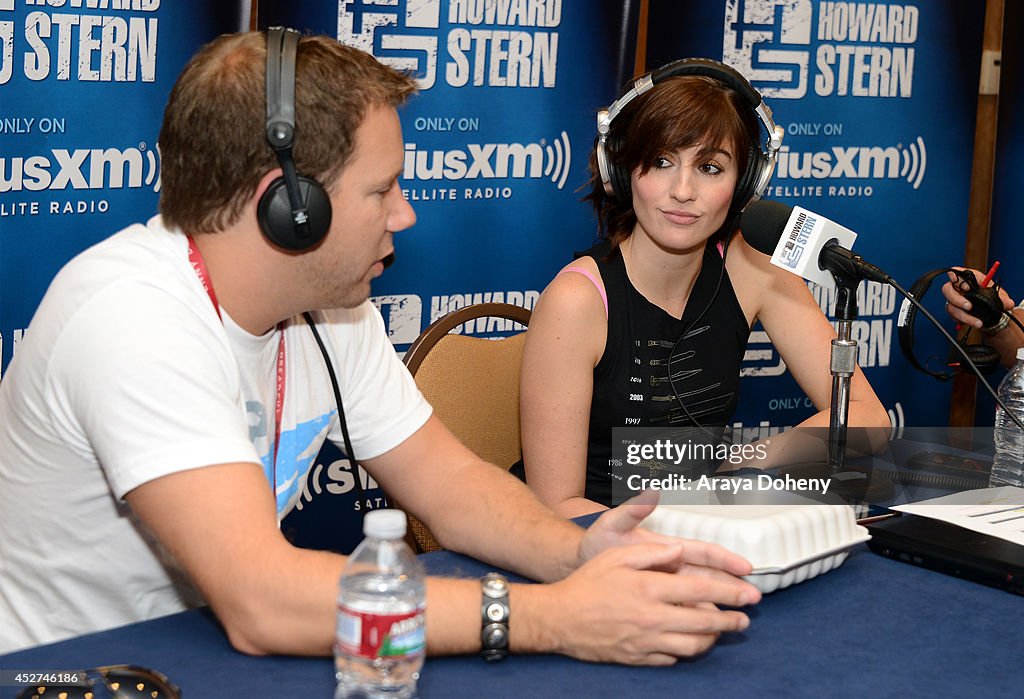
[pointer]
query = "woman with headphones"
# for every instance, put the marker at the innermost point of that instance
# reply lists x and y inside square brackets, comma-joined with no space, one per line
[649,327]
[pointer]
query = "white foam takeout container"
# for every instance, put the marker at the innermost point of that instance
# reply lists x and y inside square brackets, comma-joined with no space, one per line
[786,544]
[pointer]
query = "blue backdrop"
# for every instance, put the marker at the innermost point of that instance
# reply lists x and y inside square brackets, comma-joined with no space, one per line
[878,102]
[82,92]
[497,142]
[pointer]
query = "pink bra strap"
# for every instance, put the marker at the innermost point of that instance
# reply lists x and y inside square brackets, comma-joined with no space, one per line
[597,285]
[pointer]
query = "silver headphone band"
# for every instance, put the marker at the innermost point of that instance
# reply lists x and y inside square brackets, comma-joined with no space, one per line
[605,117]
[639,87]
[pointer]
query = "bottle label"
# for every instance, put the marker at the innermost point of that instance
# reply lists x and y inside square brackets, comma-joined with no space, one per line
[368,635]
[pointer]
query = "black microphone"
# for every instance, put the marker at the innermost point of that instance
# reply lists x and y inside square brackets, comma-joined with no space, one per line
[805,243]
[817,249]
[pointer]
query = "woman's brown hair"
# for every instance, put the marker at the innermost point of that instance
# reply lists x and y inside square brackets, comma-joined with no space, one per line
[677,113]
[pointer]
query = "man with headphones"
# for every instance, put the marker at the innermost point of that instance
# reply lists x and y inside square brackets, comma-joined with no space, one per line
[172,390]
[999,333]
[648,329]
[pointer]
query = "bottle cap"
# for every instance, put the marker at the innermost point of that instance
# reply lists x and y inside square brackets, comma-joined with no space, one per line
[384,524]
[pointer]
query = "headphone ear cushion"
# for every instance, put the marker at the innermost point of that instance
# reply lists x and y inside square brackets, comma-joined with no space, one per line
[749,178]
[619,179]
[274,213]
[984,357]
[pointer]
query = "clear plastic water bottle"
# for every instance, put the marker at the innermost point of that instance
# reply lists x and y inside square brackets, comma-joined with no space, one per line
[1008,465]
[380,640]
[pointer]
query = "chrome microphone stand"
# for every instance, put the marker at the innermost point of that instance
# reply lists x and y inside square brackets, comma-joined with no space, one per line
[843,360]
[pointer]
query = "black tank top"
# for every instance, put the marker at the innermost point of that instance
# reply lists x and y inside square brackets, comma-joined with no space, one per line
[631,380]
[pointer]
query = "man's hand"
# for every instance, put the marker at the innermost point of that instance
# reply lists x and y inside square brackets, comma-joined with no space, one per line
[618,527]
[645,598]
[625,605]
[957,305]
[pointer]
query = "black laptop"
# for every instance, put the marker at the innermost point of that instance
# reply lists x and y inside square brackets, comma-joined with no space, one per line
[950,549]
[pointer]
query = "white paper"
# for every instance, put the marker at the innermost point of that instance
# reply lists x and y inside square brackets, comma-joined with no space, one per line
[998,511]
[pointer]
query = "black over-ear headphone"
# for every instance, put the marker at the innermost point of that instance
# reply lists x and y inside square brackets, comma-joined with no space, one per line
[986,304]
[295,211]
[751,183]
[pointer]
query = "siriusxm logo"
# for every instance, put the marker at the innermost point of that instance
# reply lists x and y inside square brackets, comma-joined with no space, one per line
[82,169]
[856,162]
[492,161]
[863,49]
[400,34]
[337,478]
[897,420]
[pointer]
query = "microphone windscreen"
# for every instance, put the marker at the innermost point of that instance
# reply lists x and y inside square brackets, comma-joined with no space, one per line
[763,222]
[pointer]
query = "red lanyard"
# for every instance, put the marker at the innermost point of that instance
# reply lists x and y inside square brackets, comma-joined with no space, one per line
[195,257]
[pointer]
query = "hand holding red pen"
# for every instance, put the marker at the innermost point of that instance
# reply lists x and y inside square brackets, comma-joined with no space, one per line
[957,304]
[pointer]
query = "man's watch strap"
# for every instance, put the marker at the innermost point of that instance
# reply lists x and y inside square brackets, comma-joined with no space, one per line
[494,615]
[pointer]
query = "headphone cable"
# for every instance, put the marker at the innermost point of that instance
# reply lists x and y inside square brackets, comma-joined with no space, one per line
[895,285]
[970,362]
[682,336]
[1009,314]
[341,410]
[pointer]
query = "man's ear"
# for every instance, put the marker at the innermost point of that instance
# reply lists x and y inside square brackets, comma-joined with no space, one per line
[264,184]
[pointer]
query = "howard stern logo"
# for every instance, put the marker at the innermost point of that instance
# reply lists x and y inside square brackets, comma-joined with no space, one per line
[107,43]
[497,43]
[859,49]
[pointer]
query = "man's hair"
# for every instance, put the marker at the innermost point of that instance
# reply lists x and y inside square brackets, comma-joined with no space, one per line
[213,145]
[679,112]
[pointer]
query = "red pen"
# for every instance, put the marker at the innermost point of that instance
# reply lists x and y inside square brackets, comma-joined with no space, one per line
[991,273]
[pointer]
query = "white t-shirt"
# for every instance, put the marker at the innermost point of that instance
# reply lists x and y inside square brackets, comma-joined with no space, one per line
[127,374]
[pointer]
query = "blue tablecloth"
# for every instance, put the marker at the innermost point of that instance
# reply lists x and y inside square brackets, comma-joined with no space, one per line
[871,628]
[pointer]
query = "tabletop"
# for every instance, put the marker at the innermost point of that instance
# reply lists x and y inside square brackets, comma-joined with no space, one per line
[872,627]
